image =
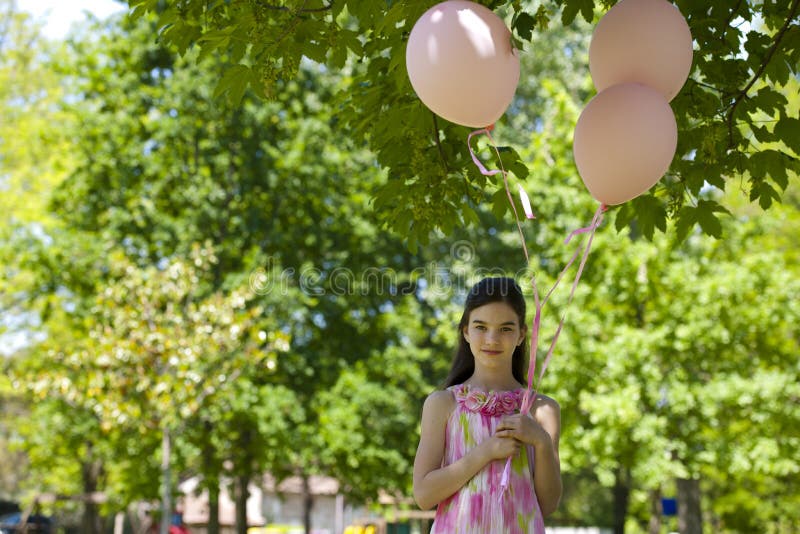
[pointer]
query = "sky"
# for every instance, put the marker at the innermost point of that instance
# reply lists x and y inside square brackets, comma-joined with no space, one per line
[61,14]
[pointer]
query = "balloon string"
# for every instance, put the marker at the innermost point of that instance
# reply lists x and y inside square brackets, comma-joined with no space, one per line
[597,220]
[531,392]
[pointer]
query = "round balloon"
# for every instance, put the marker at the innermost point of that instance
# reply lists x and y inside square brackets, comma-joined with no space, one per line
[462,64]
[624,142]
[641,41]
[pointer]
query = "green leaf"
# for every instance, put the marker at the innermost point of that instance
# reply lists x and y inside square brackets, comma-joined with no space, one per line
[233,82]
[715,178]
[650,214]
[686,219]
[513,162]
[709,222]
[788,131]
[523,24]
[713,206]
[338,57]
[469,216]
[570,11]
[778,71]
[542,17]
[769,163]
[762,134]
[624,215]
[768,100]
[573,7]
[315,51]
[764,193]
[500,203]
[350,39]
[587,10]
[167,17]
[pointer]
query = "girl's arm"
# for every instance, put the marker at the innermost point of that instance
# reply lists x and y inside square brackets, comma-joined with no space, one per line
[541,430]
[434,483]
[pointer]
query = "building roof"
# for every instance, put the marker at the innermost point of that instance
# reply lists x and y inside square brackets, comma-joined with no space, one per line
[318,484]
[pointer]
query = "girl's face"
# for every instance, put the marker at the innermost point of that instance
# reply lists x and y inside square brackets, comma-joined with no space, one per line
[493,332]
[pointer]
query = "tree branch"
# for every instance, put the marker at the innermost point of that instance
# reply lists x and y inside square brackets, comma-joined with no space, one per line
[301,10]
[730,19]
[294,22]
[439,143]
[775,44]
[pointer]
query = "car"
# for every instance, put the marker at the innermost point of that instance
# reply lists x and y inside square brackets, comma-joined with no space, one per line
[12,524]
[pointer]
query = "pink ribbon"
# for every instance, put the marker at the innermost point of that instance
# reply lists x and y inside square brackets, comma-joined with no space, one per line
[526,203]
[531,392]
[502,170]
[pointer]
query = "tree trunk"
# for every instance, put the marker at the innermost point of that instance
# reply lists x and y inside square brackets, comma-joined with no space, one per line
[308,504]
[91,469]
[166,482]
[242,493]
[690,519]
[621,494]
[656,511]
[212,482]
[213,508]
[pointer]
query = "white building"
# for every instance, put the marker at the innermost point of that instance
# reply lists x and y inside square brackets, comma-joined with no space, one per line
[279,506]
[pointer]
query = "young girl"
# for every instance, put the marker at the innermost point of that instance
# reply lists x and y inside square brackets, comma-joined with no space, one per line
[472,427]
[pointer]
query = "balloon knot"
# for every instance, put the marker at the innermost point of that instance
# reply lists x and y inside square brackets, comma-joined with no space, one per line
[603,208]
[490,128]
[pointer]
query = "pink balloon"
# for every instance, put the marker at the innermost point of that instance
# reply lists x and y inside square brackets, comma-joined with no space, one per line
[461,63]
[642,41]
[624,141]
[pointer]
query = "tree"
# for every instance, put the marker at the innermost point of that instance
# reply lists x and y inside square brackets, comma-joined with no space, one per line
[33,160]
[283,205]
[34,157]
[154,353]
[11,458]
[431,174]
[688,355]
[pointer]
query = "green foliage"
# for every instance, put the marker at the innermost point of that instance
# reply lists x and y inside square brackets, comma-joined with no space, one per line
[140,327]
[693,352]
[366,418]
[433,185]
[155,354]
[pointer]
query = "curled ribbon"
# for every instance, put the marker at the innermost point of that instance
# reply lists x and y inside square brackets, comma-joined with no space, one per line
[526,203]
[531,392]
[502,170]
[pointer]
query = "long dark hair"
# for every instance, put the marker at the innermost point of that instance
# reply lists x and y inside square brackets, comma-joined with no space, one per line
[484,292]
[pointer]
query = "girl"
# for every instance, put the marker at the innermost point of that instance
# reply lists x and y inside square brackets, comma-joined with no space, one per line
[472,427]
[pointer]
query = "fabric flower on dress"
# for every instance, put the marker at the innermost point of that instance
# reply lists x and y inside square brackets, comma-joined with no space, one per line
[474,400]
[493,403]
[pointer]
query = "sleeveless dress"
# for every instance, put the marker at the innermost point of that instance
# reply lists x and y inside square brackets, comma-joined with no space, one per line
[481,506]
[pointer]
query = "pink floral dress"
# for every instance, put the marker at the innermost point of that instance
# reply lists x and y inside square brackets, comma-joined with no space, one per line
[480,506]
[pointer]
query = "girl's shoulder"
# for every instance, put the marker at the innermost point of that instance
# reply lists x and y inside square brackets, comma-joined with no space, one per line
[544,400]
[440,403]
[545,406]
[444,397]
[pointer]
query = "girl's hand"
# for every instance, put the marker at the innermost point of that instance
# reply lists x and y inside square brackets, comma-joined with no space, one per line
[499,447]
[523,428]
